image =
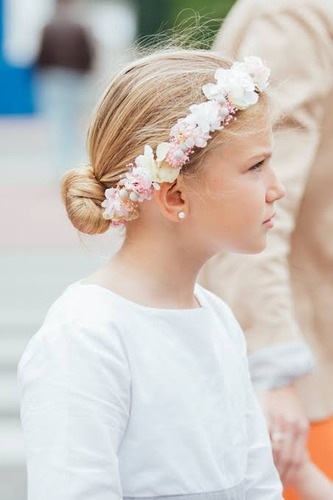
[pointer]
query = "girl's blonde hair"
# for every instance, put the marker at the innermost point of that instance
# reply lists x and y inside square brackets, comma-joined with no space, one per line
[139,107]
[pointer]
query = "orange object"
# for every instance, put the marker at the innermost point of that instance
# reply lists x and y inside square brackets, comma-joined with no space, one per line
[321,452]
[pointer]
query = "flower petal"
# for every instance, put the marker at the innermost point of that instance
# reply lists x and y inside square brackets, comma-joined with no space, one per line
[148,150]
[167,173]
[162,150]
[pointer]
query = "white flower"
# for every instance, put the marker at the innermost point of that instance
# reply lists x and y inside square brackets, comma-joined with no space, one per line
[205,116]
[166,173]
[238,85]
[161,151]
[256,69]
[194,135]
[182,128]
[154,170]
[147,164]
[214,93]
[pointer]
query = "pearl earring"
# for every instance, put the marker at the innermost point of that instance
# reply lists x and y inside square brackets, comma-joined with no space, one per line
[181,215]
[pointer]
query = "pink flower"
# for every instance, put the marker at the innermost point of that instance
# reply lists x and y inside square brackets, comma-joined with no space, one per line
[114,206]
[139,182]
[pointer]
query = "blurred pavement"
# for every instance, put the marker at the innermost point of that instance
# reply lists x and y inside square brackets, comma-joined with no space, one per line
[40,254]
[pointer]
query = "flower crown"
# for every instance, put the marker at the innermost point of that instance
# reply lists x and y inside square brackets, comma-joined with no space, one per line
[235,89]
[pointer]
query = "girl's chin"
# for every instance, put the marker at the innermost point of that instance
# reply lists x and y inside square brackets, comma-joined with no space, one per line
[260,248]
[257,247]
[252,247]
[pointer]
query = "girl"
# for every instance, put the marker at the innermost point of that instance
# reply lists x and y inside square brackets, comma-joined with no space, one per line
[137,384]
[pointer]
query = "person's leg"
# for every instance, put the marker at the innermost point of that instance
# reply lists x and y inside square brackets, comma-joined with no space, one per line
[321,452]
[60,104]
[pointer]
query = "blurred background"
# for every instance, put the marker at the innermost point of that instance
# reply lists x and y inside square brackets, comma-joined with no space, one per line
[56,58]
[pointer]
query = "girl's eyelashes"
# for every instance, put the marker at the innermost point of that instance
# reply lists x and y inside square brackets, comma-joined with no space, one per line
[257,166]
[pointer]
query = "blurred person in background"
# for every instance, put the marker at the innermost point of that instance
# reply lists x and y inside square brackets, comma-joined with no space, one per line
[65,56]
[311,483]
[283,297]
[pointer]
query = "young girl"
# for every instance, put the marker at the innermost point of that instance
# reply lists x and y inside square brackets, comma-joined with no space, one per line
[137,386]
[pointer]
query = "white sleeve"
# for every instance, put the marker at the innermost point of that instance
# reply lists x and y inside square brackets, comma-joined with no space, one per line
[74,384]
[262,480]
[279,365]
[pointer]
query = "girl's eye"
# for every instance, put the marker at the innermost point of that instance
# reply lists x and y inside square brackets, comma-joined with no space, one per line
[257,166]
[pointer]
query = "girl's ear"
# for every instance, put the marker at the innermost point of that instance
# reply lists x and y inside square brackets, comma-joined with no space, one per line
[172,200]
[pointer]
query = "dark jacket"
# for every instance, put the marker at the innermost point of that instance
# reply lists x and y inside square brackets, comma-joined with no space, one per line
[65,44]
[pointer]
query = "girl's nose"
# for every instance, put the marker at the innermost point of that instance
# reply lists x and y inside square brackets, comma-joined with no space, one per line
[276,190]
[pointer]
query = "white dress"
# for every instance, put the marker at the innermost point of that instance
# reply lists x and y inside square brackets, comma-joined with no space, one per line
[120,400]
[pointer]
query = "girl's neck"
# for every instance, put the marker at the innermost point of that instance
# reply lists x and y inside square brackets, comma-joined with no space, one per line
[156,272]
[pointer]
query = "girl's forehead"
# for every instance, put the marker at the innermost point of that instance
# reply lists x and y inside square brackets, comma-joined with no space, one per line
[245,146]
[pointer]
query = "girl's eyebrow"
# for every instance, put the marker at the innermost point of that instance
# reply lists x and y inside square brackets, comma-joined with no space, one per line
[264,154]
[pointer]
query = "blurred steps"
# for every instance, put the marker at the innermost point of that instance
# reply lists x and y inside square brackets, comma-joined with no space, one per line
[30,282]
[9,398]
[40,254]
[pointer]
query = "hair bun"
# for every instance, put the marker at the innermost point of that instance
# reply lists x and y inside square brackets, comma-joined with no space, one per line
[82,195]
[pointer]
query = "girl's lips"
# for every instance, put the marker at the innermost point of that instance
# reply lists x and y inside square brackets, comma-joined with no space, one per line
[269,220]
[268,223]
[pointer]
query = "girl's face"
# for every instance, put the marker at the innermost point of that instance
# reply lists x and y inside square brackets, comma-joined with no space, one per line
[234,197]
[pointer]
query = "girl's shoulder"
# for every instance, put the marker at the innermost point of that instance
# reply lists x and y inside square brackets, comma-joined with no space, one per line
[88,304]
[84,316]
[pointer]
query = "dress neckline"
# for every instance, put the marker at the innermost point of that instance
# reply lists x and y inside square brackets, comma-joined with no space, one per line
[198,293]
